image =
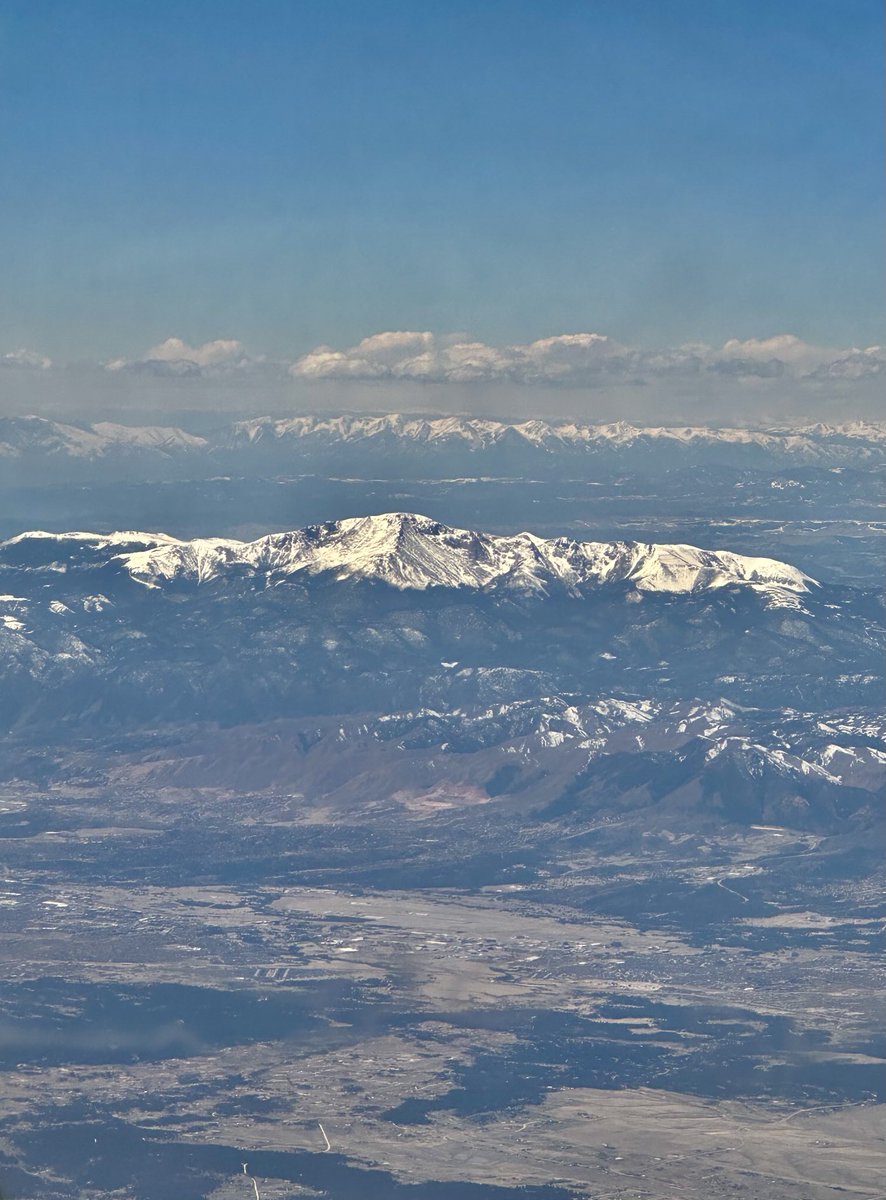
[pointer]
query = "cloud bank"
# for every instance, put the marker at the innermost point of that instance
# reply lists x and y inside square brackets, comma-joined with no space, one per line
[175,357]
[564,360]
[580,360]
[28,360]
[584,375]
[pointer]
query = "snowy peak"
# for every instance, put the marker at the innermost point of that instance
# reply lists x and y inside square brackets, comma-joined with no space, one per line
[810,443]
[29,440]
[409,551]
[23,437]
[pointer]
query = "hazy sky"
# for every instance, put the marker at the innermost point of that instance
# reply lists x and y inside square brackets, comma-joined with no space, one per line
[288,175]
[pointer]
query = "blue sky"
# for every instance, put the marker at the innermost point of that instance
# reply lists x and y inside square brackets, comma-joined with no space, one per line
[289,174]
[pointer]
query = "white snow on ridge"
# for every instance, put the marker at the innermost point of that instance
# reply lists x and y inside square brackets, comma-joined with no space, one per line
[30,435]
[474,433]
[412,552]
[152,437]
[94,541]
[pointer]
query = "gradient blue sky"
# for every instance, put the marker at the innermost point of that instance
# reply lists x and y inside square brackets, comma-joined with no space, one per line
[295,173]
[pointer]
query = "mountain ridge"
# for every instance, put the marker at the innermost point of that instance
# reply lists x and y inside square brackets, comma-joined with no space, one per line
[24,438]
[409,551]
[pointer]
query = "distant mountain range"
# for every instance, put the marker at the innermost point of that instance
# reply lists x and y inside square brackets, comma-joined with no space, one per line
[480,434]
[392,443]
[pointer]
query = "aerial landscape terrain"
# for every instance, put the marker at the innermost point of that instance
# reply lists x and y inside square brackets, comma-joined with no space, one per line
[442,600]
[502,820]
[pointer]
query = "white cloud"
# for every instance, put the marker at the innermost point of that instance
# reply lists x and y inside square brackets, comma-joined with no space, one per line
[559,357]
[29,359]
[783,347]
[426,357]
[176,357]
[580,359]
[383,355]
[210,354]
[767,378]
[768,366]
[853,364]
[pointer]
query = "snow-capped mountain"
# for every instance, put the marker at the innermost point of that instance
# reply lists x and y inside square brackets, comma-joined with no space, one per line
[408,551]
[808,442]
[24,437]
[437,445]
[420,660]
